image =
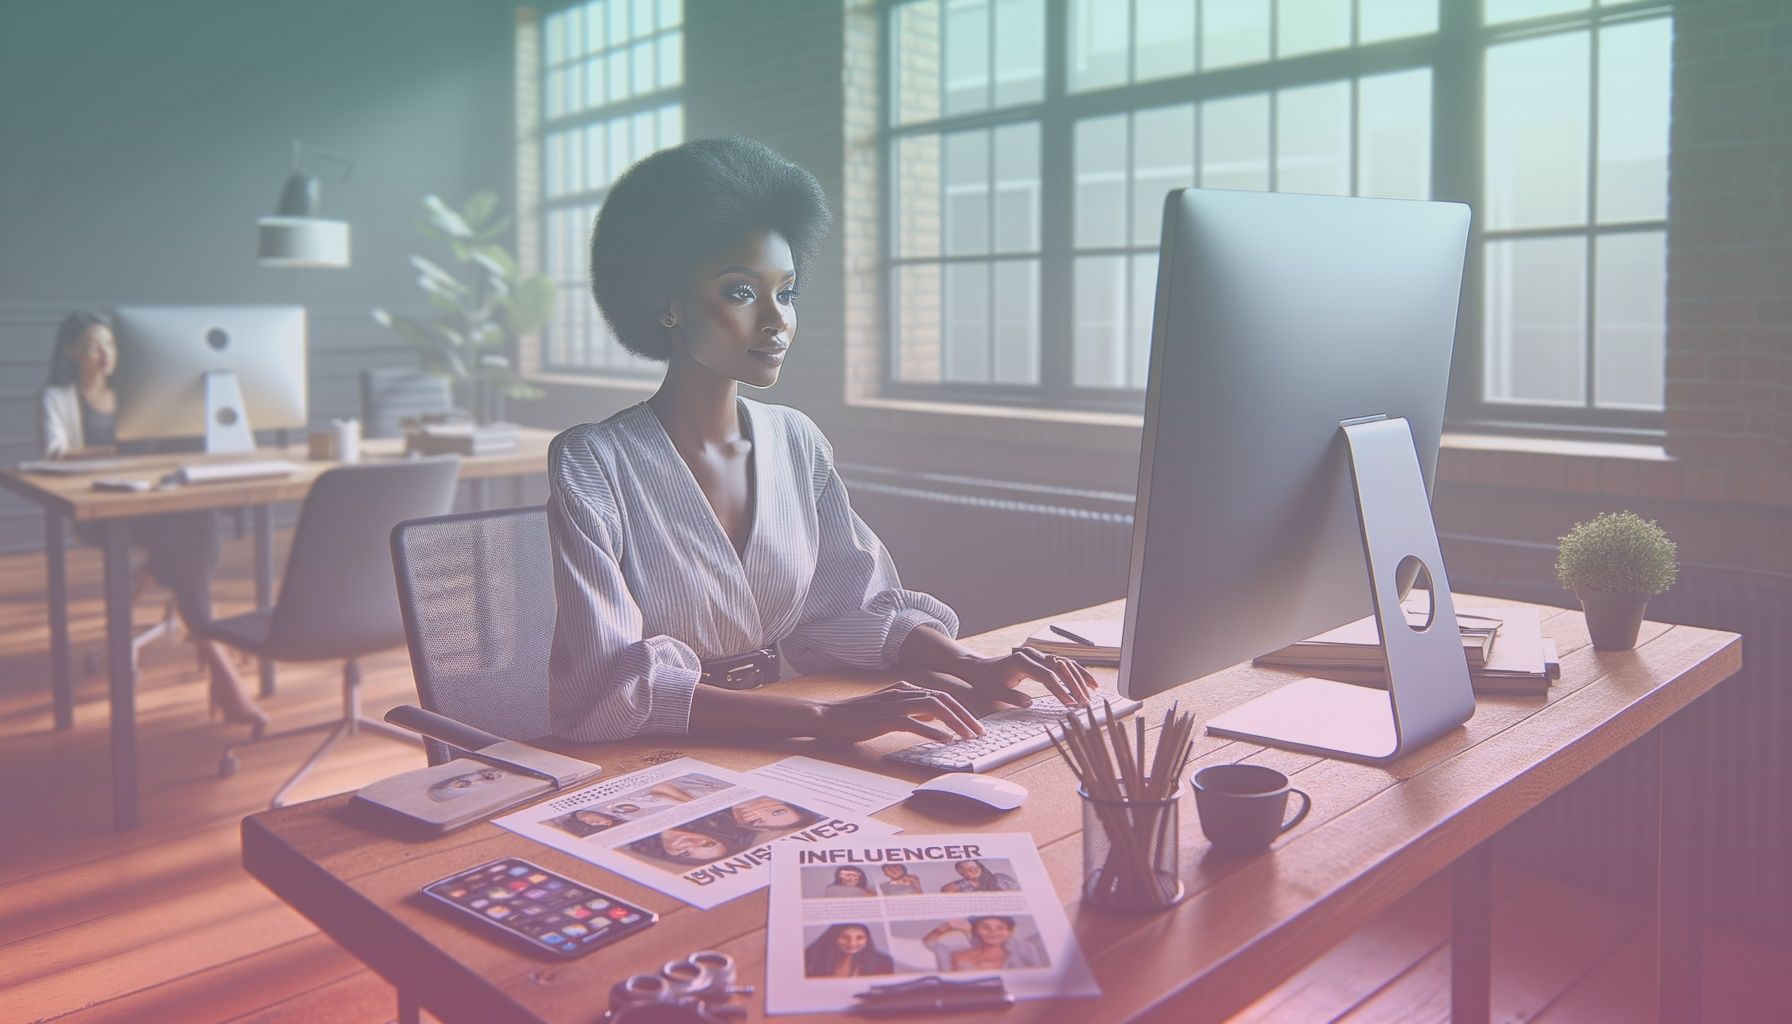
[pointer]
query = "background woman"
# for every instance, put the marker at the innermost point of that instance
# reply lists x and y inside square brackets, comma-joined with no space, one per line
[700,525]
[848,881]
[845,951]
[78,416]
[975,876]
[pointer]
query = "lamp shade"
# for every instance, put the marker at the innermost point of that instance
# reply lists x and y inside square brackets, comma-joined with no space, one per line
[301,242]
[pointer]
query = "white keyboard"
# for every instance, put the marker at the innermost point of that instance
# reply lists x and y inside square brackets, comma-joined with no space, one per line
[1012,733]
[229,472]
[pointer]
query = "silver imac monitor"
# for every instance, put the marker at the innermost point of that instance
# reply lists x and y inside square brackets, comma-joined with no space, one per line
[165,354]
[1280,319]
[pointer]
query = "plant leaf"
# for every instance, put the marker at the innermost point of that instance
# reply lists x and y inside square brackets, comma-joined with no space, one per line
[445,219]
[479,208]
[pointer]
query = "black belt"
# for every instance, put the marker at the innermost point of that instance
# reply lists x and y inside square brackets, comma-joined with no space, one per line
[742,671]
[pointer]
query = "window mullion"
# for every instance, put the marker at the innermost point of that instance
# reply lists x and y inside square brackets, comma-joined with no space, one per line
[1592,300]
[1057,333]
[1458,110]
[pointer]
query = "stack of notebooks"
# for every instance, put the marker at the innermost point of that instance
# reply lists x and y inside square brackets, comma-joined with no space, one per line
[1506,650]
[462,438]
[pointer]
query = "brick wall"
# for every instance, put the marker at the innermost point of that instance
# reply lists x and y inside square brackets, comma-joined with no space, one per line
[1729,372]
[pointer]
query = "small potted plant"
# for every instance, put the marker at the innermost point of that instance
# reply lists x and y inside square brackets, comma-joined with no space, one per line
[1614,564]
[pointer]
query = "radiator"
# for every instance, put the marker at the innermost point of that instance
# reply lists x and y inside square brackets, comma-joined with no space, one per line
[1601,830]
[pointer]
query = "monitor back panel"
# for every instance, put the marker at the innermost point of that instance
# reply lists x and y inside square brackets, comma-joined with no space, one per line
[164,353]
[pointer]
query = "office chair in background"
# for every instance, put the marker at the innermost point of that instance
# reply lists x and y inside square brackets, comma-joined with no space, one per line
[477,594]
[336,597]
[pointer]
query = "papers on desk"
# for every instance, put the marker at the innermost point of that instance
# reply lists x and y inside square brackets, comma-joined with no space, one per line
[922,909]
[705,834]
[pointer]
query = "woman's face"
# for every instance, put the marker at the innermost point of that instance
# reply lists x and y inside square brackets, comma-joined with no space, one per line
[970,870]
[992,932]
[850,876]
[851,940]
[626,808]
[95,351]
[475,779]
[593,818]
[692,846]
[766,814]
[737,315]
[893,871]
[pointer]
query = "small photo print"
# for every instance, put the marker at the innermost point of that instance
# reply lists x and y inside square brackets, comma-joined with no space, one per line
[986,943]
[990,874]
[722,834]
[846,950]
[661,796]
[848,881]
[585,821]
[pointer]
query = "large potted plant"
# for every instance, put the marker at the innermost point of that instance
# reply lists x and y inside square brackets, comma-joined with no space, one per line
[482,308]
[1614,564]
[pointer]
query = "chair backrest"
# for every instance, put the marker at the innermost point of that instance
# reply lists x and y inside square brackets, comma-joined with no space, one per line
[336,596]
[389,395]
[477,594]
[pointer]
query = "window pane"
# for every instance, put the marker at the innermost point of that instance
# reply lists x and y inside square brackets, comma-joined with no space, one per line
[1097,45]
[1537,136]
[553,164]
[553,37]
[594,82]
[642,126]
[1020,51]
[618,11]
[619,79]
[917,308]
[1313,139]
[915,51]
[967,55]
[594,26]
[1536,321]
[1100,322]
[1393,148]
[1017,187]
[1101,181]
[967,322]
[918,211]
[1144,298]
[641,57]
[643,17]
[1310,26]
[967,193]
[1163,158]
[621,155]
[1634,62]
[1234,32]
[1498,11]
[1163,39]
[1395,19]
[1630,320]
[671,13]
[670,130]
[1017,322]
[671,60]
[1235,143]
[554,95]
[596,163]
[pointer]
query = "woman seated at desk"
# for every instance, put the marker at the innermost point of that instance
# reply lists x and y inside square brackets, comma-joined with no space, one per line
[701,525]
[78,416]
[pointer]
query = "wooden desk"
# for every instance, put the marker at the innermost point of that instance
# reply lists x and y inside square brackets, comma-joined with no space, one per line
[1374,834]
[65,498]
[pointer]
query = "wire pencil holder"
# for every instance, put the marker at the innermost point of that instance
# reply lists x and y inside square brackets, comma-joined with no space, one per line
[1130,852]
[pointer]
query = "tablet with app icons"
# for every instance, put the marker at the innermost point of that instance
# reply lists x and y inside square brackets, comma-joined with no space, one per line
[547,911]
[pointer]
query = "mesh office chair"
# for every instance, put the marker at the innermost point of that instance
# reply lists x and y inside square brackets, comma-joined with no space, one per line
[336,597]
[477,594]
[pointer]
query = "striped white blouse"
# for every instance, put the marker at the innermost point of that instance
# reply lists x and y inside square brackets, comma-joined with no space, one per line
[648,584]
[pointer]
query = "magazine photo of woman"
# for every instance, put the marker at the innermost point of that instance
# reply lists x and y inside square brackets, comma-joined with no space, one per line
[975,876]
[708,839]
[660,796]
[771,818]
[984,944]
[848,881]
[899,881]
[461,785]
[845,951]
[585,822]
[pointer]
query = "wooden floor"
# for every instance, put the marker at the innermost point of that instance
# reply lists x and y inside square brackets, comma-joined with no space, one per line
[161,923]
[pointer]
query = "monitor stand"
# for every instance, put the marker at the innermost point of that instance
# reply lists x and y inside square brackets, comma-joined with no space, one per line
[226,421]
[1428,690]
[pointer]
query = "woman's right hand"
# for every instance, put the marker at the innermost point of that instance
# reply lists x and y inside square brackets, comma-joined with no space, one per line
[896,708]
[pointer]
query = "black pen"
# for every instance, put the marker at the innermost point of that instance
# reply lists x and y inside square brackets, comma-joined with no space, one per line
[1072,637]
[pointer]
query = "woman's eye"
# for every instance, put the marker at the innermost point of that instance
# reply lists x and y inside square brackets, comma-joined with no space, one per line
[787,296]
[740,293]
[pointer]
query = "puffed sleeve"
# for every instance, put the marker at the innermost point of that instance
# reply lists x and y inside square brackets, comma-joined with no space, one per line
[54,437]
[856,613]
[605,681]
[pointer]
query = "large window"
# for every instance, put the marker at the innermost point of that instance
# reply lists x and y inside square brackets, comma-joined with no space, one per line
[611,77]
[1031,143]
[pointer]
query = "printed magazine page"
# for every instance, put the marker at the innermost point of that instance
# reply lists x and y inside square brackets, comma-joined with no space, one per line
[704,834]
[853,912]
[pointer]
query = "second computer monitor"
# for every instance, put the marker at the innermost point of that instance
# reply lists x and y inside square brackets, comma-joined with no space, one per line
[165,352]
[1278,317]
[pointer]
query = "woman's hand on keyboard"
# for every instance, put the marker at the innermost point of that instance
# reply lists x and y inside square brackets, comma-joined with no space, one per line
[900,707]
[998,677]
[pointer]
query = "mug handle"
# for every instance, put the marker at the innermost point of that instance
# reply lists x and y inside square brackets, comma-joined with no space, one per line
[1306,804]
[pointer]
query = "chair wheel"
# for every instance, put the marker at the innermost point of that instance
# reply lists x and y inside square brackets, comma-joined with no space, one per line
[227,765]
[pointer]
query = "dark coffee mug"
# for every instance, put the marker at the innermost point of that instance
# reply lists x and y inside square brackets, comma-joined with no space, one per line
[1241,806]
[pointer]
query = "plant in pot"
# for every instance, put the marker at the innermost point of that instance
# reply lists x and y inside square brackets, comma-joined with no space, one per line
[482,308]
[1614,564]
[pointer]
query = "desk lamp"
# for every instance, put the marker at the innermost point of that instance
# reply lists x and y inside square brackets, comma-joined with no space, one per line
[296,236]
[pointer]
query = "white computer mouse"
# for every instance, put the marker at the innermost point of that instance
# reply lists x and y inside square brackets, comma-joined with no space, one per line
[987,790]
